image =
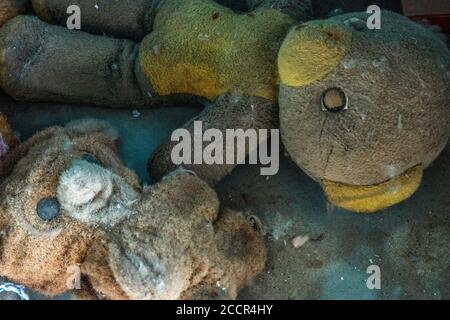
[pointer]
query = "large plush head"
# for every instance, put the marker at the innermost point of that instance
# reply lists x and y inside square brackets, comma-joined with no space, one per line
[363,111]
[69,205]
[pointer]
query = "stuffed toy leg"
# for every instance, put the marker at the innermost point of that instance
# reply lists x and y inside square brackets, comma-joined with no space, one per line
[46,62]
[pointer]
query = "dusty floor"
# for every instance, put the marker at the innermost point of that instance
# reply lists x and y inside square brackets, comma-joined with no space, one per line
[409,242]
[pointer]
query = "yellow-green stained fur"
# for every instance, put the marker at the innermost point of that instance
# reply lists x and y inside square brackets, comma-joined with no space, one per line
[311,51]
[199,47]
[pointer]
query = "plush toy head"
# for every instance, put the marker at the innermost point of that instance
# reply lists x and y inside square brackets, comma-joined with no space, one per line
[363,111]
[69,204]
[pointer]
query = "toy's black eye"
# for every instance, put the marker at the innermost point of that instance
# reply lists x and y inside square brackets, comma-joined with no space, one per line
[91,159]
[334,100]
[48,208]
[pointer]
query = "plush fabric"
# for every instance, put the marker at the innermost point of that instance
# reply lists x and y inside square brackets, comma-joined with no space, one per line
[7,138]
[11,8]
[396,80]
[168,241]
[223,52]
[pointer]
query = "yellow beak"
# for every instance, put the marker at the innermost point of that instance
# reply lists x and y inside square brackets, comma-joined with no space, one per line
[368,199]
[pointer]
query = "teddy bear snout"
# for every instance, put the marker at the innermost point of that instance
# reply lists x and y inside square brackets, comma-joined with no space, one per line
[85,188]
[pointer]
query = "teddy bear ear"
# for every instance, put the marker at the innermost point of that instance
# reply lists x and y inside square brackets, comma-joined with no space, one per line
[311,51]
[92,126]
[11,158]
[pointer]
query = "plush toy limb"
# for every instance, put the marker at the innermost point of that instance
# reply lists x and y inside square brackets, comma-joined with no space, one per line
[41,62]
[10,9]
[241,255]
[300,10]
[201,48]
[228,112]
[117,18]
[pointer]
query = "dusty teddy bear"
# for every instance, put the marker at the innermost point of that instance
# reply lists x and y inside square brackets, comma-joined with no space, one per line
[68,203]
[362,111]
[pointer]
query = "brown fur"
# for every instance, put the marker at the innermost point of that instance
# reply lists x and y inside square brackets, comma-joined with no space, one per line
[168,241]
[6,134]
[10,9]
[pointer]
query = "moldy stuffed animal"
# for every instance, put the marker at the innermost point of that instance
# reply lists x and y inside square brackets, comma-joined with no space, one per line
[361,111]
[68,203]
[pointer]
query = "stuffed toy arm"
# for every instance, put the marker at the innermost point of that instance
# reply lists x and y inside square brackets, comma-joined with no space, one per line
[227,112]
